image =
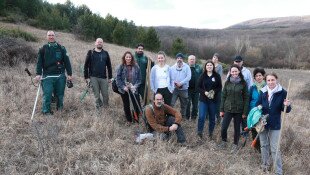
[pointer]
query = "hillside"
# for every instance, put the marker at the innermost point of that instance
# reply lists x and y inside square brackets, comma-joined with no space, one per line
[282,22]
[77,141]
[272,42]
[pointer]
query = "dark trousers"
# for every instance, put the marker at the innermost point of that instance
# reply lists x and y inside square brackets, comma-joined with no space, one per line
[225,124]
[166,94]
[126,104]
[179,132]
[218,104]
[193,97]
[141,90]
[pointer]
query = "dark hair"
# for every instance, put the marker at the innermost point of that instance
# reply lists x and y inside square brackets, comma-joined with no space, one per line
[271,74]
[240,73]
[133,62]
[217,55]
[259,70]
[205,70]
[140,44]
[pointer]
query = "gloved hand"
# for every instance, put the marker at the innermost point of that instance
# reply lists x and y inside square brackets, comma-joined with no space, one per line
[211,94]
[206,93]
[133,89]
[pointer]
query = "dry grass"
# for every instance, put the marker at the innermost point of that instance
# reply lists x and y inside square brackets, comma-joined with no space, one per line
[77,141]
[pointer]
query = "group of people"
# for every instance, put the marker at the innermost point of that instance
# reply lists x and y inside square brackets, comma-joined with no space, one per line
[200,91]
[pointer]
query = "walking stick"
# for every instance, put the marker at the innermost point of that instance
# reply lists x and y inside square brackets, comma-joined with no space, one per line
[133,113]
[36,100]
[282,126]
[147,92]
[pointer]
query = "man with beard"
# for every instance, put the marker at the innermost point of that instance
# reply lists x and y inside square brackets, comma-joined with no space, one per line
[142,61]
[95,72]
[163,119]
[180,76]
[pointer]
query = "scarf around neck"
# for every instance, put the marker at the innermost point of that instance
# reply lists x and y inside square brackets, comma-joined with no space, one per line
[259,86]
[271,92]
[235,80]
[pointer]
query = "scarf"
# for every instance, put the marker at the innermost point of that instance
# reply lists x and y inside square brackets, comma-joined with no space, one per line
[235,80]
[271,92]
[259,86]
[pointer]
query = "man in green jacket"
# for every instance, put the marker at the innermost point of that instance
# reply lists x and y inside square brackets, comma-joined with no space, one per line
[52,63]
[193,94]
[142,61]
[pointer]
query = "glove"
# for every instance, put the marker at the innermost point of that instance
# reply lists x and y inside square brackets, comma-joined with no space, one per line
[211,94]
[206,93]
[133,89]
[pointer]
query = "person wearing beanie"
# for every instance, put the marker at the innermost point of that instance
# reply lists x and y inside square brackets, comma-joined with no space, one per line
[180,77]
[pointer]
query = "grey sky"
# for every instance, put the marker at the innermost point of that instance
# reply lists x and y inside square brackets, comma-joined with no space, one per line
[194,13]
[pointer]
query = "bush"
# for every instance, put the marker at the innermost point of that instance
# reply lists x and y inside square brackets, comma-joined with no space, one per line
[14,51]
[17,33]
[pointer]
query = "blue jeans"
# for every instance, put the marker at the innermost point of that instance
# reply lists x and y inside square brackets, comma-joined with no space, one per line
[208,108]
[183,95]
[166,135]
[268,141]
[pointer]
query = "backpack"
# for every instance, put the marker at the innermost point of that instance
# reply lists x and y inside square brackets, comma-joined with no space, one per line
[42,53]
[146,124]
[114,85]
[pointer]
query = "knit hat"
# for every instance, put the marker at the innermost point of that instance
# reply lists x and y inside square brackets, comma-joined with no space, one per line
[238,58]
[179,55]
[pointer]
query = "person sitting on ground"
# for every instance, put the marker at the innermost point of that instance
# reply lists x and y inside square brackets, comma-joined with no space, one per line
[164,119]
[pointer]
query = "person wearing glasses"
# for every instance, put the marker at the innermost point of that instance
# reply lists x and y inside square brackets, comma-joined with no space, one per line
[180,77]
[53,61]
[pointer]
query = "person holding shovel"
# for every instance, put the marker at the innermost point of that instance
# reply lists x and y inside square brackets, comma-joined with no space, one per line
[273,101]
[128,80]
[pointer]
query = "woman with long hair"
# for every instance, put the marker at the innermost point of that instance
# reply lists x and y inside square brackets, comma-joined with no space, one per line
[160,78]
[209,85]
[128,79]
[234,105]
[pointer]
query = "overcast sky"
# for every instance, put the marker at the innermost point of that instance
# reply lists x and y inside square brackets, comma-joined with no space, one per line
[216,14]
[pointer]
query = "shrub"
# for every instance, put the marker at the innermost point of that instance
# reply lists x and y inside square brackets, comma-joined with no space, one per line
[14,51]
[17,33]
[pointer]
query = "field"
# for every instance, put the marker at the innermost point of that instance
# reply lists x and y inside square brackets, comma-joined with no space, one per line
[78,141]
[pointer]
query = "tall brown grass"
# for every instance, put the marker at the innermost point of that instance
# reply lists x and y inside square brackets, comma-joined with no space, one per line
[78,141]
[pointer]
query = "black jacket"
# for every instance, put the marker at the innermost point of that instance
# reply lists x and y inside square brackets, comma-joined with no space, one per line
[96,64]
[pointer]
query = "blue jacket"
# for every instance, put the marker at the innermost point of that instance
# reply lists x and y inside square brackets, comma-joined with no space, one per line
[182,76]
[254,95]
[275,108]
[122,74]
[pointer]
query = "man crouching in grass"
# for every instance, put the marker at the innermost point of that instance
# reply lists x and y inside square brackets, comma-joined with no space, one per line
[164,119]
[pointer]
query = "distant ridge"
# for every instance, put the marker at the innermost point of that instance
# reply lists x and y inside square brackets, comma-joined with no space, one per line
[280,22]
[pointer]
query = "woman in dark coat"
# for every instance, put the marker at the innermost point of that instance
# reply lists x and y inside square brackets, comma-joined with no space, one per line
[234,105]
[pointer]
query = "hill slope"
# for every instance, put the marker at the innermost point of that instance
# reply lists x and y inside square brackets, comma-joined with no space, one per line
[77,141]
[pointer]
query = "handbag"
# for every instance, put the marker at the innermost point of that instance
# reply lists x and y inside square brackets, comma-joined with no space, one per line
[114,86]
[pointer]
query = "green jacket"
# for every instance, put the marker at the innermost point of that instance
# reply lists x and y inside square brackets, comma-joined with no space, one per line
[196,71]
[53,59]
[235,98]
[142,62]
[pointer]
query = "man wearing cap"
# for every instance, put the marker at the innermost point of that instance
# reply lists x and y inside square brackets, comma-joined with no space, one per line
[238,60]
[180,76]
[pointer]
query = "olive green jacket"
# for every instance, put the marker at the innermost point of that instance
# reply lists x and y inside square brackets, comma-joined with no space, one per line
[235,98]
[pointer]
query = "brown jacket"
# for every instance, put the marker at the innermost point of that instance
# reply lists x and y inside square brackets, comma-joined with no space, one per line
[158,118]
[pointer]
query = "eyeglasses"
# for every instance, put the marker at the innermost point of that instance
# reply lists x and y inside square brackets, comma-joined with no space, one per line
[237,61]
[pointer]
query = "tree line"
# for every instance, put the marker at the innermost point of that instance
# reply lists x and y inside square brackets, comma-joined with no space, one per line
[80,20]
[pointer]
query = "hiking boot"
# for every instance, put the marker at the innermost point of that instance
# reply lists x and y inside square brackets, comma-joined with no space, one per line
[48,113]
[234,149]
[199,135]
[222,145]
